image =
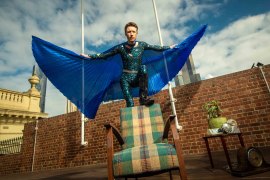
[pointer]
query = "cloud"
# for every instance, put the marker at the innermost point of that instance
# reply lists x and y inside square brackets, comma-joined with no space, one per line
[234,48]
[106,25]
[16,82]
[55,101]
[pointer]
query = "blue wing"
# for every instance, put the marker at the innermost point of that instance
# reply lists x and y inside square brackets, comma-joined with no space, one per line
[86,82]
[65,69]
[174,59]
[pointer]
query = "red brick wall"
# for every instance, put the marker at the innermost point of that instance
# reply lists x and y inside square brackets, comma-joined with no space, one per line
[10,164]
[243,95]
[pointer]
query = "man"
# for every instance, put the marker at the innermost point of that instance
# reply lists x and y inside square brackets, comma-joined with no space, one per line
[65,69]
[134,72]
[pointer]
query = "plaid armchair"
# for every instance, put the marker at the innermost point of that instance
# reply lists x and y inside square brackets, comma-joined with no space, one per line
[145,150]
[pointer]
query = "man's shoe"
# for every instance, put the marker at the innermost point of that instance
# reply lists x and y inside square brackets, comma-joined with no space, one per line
[147,102]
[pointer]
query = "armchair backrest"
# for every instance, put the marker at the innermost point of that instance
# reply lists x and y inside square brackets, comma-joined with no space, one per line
[141,125]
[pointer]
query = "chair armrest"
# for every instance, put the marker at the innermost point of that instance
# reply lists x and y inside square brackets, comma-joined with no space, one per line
[167,126]
[179,151]
[110,131]
[170,124]
[115,132]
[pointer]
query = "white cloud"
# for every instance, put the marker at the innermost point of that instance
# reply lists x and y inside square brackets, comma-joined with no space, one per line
[16,82]
[209,76]
[234,48]
[55,101]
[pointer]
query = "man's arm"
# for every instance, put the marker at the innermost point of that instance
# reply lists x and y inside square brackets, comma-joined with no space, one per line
[106,54]
[157,47]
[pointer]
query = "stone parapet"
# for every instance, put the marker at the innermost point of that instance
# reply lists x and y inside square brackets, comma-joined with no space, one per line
[24,101]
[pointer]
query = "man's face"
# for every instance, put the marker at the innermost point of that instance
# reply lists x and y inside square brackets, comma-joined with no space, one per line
[131,33]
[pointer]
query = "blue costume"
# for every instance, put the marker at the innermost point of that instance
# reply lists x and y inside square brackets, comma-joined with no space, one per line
[134,73]
[87,82]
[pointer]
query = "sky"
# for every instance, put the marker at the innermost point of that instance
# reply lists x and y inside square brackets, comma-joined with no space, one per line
[237,36]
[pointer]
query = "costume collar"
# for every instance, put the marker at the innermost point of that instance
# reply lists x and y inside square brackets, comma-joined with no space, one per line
[131,45]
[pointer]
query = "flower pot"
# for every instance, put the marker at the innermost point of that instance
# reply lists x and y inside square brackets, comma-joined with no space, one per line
[214,123]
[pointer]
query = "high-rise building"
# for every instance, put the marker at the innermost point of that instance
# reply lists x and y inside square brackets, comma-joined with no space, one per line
[187,74]
[41,87]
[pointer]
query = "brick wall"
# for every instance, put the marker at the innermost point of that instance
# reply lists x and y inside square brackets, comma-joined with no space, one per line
[243,95]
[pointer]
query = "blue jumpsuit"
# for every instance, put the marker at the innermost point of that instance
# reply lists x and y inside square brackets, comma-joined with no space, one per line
[134,73]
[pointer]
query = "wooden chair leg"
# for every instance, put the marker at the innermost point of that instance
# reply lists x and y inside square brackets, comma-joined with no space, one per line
[171,178]
[110,153]
[179,152]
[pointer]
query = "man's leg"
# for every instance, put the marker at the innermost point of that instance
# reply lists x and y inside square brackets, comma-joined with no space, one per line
[143,85]
[125,86]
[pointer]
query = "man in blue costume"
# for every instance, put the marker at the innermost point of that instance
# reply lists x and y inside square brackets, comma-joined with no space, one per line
[134,73]
[113,74]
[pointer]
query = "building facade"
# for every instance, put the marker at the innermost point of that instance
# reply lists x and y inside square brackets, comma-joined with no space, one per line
[18,108]
[187,74]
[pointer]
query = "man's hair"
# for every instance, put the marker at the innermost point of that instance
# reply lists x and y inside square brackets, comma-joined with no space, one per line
[131,24]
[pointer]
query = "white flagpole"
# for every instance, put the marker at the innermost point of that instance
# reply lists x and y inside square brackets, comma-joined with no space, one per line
[83,142]
[172,99]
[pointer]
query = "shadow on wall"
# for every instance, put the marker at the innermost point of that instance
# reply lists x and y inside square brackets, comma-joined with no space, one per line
[184,96]
[72,138]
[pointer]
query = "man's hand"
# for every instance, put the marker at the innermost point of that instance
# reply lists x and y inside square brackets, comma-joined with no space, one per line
[85,55]
[172,46]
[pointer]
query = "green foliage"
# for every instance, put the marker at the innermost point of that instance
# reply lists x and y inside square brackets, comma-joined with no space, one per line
[212,108]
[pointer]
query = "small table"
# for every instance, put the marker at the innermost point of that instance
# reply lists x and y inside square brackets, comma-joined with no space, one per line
[222,138]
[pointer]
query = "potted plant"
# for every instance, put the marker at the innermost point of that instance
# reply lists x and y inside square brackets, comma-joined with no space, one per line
[215,120]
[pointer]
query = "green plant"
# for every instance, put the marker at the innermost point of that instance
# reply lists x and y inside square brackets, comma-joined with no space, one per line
[212,108]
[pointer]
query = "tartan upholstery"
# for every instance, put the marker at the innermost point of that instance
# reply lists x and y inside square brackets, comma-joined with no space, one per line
[141,125]
[142,129]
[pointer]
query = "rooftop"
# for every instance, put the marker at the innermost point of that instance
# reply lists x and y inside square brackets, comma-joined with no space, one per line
[198,167]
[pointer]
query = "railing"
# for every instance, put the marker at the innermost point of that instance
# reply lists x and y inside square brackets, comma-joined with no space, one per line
[11,146]
[11,96]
